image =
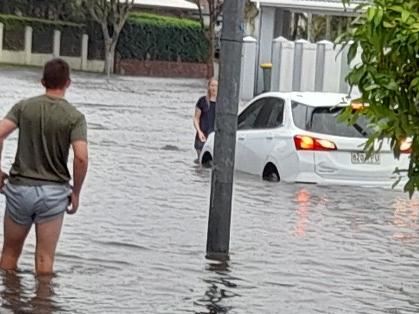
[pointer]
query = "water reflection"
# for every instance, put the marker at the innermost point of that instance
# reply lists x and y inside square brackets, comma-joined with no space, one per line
[19,298]
[219,288]
[42,302]
[11,291]
[405,219]
[303,201]
[297,248]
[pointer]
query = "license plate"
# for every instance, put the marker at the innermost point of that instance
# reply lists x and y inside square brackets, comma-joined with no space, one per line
[361,158]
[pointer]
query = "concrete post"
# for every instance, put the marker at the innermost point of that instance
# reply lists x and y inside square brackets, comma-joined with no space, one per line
[282,64]
[219,221]
[248,69]
[344,69]
[28,44]
[320,64]
[84,51]
[57,44]
[287,66]
[298,60]
[276,62]
[266,35]
[308,68]
[329,67]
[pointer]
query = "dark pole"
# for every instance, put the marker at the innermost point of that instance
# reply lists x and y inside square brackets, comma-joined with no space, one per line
[219,221]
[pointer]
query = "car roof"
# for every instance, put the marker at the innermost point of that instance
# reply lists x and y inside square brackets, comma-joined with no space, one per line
[314,99]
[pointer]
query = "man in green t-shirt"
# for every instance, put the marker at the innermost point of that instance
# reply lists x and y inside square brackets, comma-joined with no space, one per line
[37,189]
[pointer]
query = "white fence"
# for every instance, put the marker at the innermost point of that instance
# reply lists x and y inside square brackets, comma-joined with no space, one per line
[296,66]
[27,57]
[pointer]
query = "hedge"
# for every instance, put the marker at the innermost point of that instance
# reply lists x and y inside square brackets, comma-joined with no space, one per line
[144,37]
[153,37]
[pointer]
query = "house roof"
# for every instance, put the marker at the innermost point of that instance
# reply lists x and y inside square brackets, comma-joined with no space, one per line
[307,5]
[170,4]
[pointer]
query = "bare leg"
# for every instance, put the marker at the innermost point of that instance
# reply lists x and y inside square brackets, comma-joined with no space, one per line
[47,235]
[11,293]
[42,302]
[14,238]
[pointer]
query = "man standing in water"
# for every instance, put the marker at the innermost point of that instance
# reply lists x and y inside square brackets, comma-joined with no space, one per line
[38,190]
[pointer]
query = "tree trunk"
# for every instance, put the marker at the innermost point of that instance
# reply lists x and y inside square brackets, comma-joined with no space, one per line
[109,56]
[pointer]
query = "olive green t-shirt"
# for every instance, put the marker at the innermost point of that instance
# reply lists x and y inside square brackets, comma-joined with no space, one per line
[47,127]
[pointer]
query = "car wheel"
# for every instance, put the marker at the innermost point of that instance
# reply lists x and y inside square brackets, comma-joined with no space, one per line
[207,160]
[270,173]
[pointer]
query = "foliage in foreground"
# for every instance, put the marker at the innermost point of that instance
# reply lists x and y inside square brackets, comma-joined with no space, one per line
[388,75]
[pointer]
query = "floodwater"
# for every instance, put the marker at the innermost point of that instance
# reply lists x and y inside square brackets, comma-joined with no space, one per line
[137,244]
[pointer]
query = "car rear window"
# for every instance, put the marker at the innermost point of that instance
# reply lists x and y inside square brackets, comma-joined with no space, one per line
[324,120]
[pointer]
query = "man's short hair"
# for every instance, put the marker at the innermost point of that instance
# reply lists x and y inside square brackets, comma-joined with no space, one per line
[56,74]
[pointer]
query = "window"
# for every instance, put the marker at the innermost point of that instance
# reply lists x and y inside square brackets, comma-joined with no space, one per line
[263,114]
[299,113]
[277,113]
[324,120]
[248,117]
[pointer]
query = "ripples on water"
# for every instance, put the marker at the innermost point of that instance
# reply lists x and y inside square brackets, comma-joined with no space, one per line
[137,244]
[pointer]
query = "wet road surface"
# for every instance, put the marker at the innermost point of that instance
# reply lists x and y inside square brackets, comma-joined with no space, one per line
[137,244]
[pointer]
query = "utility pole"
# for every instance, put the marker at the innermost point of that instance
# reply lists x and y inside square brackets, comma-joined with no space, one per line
[218,238]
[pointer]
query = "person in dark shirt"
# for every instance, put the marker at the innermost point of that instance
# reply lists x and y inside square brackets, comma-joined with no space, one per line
[204,117]
[37,189]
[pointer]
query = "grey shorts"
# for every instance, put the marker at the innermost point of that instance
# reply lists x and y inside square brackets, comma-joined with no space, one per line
[36,204]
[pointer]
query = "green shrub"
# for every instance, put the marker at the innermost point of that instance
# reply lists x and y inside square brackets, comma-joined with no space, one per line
[144,37]
[153,37]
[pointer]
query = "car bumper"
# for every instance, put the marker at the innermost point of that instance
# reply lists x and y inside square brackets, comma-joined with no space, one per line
[387,182]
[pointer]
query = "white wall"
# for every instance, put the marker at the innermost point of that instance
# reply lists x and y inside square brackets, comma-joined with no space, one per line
[266,33]
[302,66]
[27,57]
[248,69]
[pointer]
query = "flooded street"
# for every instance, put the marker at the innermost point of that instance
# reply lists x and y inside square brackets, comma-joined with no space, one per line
[137,243]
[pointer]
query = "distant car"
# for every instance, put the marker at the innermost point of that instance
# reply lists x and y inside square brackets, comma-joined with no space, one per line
[295,137]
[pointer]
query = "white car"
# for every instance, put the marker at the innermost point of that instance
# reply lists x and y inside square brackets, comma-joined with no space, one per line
[295,137]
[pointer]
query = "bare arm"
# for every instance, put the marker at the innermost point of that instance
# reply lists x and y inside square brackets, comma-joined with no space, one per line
[80,164]
[6,128]
[196,119]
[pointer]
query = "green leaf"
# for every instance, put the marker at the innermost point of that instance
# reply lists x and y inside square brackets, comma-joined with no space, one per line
[414,83]
[405,15]
[396,8]
[388,24]
[378,17]
[371,13]
[392,86]
[372,87]
[352,52]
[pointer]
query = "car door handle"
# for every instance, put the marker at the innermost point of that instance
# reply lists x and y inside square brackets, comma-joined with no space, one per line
[241,138]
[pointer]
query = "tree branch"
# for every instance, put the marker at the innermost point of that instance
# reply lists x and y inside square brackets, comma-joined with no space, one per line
[201,17]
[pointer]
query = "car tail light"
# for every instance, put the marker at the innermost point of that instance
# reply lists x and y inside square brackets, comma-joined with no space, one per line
[406,146]
[304,142]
